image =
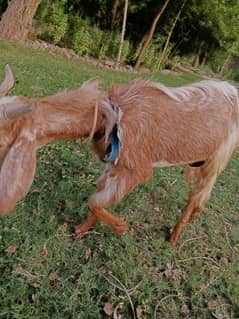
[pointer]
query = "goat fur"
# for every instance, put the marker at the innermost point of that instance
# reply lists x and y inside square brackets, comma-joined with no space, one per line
[63,116]
[160,126]
[164,126]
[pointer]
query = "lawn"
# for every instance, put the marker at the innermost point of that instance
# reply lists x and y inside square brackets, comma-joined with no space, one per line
[45,274]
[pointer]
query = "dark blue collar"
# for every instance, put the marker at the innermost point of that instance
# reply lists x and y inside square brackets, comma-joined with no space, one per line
[113,149]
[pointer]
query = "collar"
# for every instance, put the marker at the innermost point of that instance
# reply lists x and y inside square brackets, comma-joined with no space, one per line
[111,153]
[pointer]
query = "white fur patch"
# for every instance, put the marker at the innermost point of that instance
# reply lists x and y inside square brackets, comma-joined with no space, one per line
[7,99]
[29,135]
[207,88]
[164,163]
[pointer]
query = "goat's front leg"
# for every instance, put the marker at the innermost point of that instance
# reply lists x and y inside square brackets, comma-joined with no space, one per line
[112,186]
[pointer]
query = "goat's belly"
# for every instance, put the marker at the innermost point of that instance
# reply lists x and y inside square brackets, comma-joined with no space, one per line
[164,163]
[167,164]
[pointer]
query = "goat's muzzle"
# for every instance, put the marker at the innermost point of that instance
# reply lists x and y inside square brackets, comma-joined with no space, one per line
[11,109]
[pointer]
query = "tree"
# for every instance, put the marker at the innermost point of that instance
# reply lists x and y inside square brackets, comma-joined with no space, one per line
[163,54]
[16,21]
[114,15]
[149,35]
[122,32]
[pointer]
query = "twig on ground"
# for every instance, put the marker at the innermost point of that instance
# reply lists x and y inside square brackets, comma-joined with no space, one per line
[190,240]
[122,287]
[199,257]
[228,241]
[161,301]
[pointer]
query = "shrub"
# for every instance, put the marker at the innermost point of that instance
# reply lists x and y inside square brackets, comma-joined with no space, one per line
[87,40]
[52,21]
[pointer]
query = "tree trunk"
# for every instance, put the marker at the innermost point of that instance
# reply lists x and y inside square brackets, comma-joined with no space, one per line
[163,55]
[150,35]
[114,15]
[16,21]
[122,33]
[204,56]
[226,62]
[195,62]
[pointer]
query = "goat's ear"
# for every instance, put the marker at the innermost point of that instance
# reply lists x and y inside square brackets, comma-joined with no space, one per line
[118,89]
[17,172]
[93,84]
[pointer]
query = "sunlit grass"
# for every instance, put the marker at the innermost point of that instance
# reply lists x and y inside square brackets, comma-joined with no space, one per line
[48,275]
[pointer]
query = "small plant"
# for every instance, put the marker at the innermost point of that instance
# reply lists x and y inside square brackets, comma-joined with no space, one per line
[52,22]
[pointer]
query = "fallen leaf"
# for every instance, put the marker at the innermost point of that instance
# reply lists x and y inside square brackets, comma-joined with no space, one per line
[54,276]
[108,309]
[20,270]
[38,264]
[140,313]
[212,304]
[88,253]
[11,249]
[116,315]
[35,284]
[176,274]
[44,253]
[184,310]
[35,212]
[65,226]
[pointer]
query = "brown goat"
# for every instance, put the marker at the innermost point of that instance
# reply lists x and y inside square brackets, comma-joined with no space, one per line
[196,124]
[66,115]
[157,126]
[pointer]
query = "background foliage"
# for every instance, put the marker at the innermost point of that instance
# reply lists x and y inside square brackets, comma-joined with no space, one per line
[206,32]
[45,274]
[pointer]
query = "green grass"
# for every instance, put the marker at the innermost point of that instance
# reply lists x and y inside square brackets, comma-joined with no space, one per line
[48,275]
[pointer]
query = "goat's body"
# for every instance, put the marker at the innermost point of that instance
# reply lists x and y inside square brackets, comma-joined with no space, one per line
[160,127]
[169,126]
[175,126]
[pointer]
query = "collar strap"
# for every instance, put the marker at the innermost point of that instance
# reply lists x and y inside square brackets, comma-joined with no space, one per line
[112,152]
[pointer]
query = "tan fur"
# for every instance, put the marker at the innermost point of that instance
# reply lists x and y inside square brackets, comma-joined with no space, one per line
[168,126]
[66,115]
[160,126]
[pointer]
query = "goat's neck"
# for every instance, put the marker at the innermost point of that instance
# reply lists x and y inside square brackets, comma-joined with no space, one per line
[58,121]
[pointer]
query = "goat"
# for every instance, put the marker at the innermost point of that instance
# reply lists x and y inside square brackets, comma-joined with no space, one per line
[196,125]
[148,124]
[27,124]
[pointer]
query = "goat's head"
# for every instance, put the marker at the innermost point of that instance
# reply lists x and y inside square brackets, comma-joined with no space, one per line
[11,107]
[17,152]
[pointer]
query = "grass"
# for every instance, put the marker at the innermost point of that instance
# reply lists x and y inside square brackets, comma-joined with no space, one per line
[45,274]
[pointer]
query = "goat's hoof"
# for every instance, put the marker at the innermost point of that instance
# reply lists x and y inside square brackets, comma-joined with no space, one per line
[79,231]
[121,227]
[173,239]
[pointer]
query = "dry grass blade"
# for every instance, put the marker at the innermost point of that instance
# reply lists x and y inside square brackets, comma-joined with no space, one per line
[199,257]
[189,240]
[161,301]
[122,287]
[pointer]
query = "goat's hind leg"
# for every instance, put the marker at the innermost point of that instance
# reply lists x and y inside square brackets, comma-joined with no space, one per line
[196,203]
[206,178]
